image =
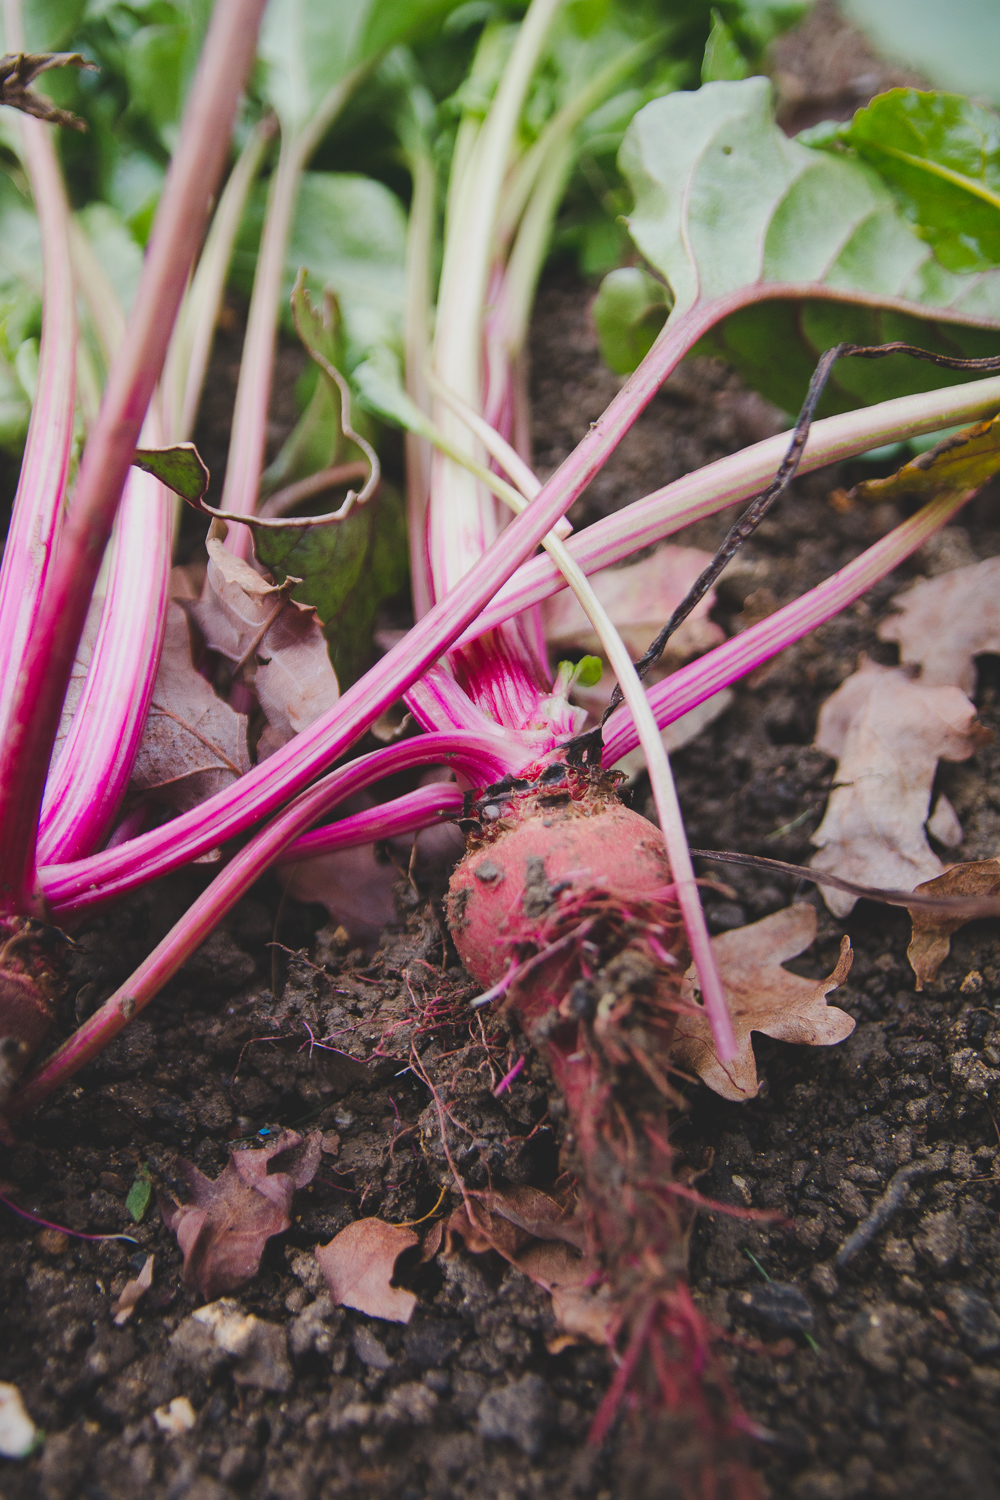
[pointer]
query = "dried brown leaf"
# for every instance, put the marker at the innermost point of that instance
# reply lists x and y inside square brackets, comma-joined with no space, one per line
[132,1291]
[223,1230]
[354,885]
[193,744]
[931,940]
[19,69]
[538,1235]
[247,619]
[963,461]
[359,1263]
[944,623]
[888,733]
[762,996]
[639,597]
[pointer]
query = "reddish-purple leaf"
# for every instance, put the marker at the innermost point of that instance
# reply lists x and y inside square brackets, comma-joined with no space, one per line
[223,1230]
[358,1264]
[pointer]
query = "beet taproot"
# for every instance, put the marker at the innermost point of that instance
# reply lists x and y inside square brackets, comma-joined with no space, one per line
[564,911]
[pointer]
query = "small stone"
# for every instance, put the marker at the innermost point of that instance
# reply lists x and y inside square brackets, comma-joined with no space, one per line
[939,1238]
[176,1417]
[221,1332]
[18,1433]
[972,983]
[409,1405]
[852,1200]
[52,1242]
[370,1350]
[899,1257]
[777,1306]
[968,1071]
[976,1320]
[521,1413]
[884,1335]
[824,1278]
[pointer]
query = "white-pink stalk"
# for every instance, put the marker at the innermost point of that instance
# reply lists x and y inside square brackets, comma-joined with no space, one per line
[258,794]
[726,664]
[41,489]
[440,802]
[731,480]
[248,434]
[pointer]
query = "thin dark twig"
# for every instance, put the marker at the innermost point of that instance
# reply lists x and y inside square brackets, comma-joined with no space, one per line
[953,906]
[586,748]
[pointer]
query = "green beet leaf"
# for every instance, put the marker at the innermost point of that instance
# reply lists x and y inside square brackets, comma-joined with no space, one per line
[940,154]
[629,311]
[348,569]
[726,206]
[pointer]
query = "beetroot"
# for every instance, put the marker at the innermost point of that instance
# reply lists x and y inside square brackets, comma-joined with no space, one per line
[563,909]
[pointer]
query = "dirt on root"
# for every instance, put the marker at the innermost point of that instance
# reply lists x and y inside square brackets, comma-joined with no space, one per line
[875,1374]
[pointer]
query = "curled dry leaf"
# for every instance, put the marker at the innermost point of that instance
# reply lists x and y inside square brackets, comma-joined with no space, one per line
[132,1291]
[944,623]
[246,619]
[355,885]
[640,598]
[223,1230]
[962,462]
[888,734]
[193,744]
[359,1263]
[762,996]
[930,943]
[535,1233]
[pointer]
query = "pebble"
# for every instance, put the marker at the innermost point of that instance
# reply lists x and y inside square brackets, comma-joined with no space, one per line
[777,1306]
[976,1320]
[521,1413]
[176,1417]
[222,1332]
[939,1238]
[18,1433]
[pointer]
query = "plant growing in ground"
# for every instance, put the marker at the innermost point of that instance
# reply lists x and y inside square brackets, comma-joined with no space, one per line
[575,914]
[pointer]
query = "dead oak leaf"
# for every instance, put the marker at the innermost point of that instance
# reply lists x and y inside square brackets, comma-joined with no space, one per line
[537,1234]
[888,734]
[930,943]
[222,1231]
[359,1264]
[762,996]
[248,620]
[193,743]
[944,623]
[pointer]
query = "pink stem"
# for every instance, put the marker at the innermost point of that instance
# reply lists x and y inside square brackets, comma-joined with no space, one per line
[232,882]
[90,778]
[407,814]
[37,513]
[728,481]
[477,759]
[28,726]
[685,689]
[259,793]
[249,430]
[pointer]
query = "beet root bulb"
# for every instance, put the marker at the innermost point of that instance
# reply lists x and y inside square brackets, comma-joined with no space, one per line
[564,910]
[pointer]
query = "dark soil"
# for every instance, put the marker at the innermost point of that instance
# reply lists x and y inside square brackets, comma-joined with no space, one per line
[875,1378]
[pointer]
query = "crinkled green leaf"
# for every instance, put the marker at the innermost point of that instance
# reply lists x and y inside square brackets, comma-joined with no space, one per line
[940,153]
[724,203]
[180,467]
[348,569]
[629,311]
